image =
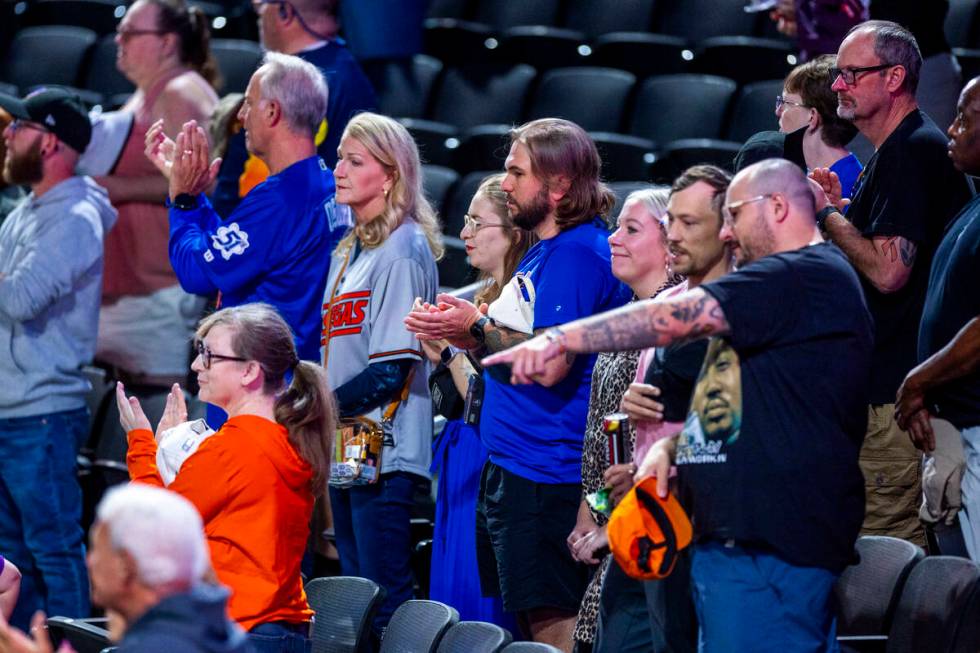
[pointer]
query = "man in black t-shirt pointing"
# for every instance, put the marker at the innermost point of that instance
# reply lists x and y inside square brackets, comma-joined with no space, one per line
[901,204]
[777,504]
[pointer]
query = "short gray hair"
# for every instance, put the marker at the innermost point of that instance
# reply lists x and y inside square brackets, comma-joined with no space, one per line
[299,88]
[160,529]
[653,199]
[897,46]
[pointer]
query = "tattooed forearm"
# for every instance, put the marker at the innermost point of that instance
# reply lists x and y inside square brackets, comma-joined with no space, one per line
[499,338]
[907,250]
[693,315]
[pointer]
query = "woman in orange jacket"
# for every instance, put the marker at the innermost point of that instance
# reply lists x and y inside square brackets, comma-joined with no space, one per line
[254,480]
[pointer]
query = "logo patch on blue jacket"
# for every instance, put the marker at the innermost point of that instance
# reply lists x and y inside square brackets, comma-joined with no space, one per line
[230,240]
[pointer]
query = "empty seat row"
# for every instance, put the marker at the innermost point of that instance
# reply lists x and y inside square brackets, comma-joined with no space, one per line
[76,56]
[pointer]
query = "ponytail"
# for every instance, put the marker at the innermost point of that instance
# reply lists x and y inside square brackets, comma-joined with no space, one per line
[191,27]
[308,412]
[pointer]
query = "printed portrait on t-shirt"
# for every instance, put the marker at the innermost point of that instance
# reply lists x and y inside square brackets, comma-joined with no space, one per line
[715,418]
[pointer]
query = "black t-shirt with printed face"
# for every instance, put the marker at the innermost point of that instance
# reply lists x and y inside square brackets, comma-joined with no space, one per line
[769,450]
[673,370]
[909,189]
[953,300]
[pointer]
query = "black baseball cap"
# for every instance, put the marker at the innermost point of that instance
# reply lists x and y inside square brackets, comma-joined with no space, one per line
[772,145]
[56,109]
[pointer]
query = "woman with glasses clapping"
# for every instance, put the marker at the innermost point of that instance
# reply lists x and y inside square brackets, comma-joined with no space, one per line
[254,480]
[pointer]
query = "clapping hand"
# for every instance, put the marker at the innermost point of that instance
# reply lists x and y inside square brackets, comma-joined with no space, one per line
[15,641]
[131,415]
[829,183]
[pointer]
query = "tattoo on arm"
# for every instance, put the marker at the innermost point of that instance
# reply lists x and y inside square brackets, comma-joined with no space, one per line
[897,249]
[499,338]
[908,250]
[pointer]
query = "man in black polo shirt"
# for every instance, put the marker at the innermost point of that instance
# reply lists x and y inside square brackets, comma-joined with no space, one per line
[946,384]
[777,505]
[903,201]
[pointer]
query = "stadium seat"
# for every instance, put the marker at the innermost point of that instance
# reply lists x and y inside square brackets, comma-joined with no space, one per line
[100,16]
[478,94]
[530,647]
[457,41]
[596,17]
[47,55]
[483,147]
[744,59]
[449,8]
[474,637]
[237,60]
[502,14]
[404,88]
[100,72]
[868,592]
[593,98]
[544,47]
[754,110]
[84,636]
[696,20]
[436,140]
[437,182]
[459,201]
[622,189]
[680,155]
[418,626]
[454,272]
[961,24]
[969,62]
[624,157]
[672,107]
[937,595]
[642,54]
[344,607]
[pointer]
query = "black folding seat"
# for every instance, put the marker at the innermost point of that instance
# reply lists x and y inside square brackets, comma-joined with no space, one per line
[436,140]
[237,60]
[541,46]
[641,53]
[47,55]
[449,8]
[624,157]
[754,109]
[100,72]
[969,62]
[744,59]
[100,16]
[593,98]
[961,24]
[502,14]
[595,17]
[622,189]
[671,107]
[482,93]
[457,41]
[404,88]
[458,203]
[483,147]
[696,20]
[678,156]
[437,181]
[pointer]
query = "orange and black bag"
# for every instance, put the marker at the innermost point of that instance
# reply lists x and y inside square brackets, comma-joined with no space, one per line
[646,533]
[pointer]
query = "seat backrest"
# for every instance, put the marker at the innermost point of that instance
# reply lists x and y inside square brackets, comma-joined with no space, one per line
[459,201]
[344,607]
[744,59]
[754,109]
[47,55]
[417,626]
[437,181]
[501,14]
[932,604]
[671,107]
[961,23]
[696,20]
[595,17]
[607,90]
[84,637]
[474,637]
[237,59]
[478,94]
[530,647]
[100,16]
[100,72]
[642,54]
[868,591]
[404,88]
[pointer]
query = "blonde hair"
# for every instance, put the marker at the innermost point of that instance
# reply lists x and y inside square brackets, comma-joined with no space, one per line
[393,147]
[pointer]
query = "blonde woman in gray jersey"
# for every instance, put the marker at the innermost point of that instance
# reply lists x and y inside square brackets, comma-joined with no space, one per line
[376,367]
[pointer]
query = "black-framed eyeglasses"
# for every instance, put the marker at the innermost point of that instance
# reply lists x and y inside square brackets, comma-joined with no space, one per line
[850,75]
[19,123]
[780,101]
[474,224]
[126,34]
[208,356]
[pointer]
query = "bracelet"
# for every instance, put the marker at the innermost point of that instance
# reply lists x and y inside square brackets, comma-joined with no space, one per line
[557,337]
[825,213]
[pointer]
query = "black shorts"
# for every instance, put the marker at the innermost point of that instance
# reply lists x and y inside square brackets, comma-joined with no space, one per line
[522,527]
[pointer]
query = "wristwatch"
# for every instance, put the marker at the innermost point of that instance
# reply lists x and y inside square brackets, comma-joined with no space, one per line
[824,213]
[477,329]
[447,354]
[185,202]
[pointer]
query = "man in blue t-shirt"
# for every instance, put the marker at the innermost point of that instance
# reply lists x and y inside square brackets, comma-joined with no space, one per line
[532,484]
[772,470]
[275,247]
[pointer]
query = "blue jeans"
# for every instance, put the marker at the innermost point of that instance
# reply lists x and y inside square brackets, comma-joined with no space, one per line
[276,638]
[40,510]
[373,528]
[751,600]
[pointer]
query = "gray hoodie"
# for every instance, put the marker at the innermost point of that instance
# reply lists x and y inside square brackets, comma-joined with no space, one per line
[50,290]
